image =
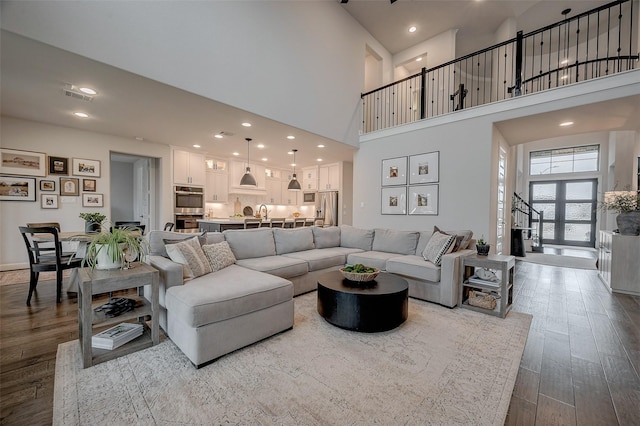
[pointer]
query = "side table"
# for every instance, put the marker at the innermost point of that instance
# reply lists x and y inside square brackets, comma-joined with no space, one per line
[504,287]
[90,282]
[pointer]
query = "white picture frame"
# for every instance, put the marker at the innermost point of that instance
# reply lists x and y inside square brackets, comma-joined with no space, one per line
[84,167]
[424,168]
[17,188]
[423,199]
[48,201]
[394,171]
[23,163]
[394,200]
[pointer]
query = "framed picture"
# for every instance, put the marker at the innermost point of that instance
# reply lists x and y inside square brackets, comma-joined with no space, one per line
[15,188]
[394,171]
[69,186]
[394,200]
[82,167]
[47,185]
[92,200]
[423,199]
[49,201]
[58,166]
[89,185]
[26,163]
[424,168]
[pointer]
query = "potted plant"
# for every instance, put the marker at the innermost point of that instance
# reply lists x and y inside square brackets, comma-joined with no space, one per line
[482,247]
[92,222]
[111,248]
[627,205]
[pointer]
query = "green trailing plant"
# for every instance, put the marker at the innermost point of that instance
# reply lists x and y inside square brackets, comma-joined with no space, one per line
[121,244]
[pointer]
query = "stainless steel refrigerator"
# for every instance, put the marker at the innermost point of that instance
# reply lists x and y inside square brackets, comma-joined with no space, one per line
[327,207]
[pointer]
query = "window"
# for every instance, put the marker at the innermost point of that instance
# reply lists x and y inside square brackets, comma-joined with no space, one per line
[564,160]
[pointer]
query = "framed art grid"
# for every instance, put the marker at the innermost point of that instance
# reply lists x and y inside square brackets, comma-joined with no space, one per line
[394,171]
[394,200]
[423,199]
[424,168]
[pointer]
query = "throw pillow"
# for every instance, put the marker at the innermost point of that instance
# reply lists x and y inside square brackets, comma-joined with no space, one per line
[220,255]
[202,239]
[463,237]
[439,244]
[190,255]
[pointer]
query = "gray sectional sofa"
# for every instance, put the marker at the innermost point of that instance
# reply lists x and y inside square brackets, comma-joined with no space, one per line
[252,299]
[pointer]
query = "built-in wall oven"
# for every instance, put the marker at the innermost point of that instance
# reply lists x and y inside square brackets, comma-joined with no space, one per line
[188,203]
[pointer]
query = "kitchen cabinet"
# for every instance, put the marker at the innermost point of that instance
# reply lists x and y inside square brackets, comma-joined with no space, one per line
[215,165]
[618,264]
[289,198]
[236,171]
[217,188]
[329,177]
[188,168]
[309,178]
[274,191]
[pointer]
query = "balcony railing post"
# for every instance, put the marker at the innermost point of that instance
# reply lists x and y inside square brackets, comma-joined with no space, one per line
[423,93]
[519,43]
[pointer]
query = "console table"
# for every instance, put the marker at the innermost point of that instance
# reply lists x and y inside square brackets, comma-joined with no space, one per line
[618,265]
[90,282]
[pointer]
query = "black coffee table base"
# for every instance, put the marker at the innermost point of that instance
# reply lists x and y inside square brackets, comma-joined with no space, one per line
[379,305]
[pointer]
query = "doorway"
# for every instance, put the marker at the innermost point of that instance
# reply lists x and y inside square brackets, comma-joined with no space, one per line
[569,207]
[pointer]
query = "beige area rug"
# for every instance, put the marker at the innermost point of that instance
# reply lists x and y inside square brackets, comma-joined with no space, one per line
[558,260]
[442,366]
[22,276]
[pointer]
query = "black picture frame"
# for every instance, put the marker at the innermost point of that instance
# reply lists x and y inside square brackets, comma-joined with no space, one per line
[58,166]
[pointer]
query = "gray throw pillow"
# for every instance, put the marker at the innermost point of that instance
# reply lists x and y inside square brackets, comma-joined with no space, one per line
[439,245]
[220,255]
[190,255]
[463,237]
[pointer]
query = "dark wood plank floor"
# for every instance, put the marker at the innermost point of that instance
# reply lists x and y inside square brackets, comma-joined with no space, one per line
[580,365]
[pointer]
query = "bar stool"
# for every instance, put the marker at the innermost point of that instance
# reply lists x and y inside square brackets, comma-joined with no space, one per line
[276,222]
[299,222]
[252,222]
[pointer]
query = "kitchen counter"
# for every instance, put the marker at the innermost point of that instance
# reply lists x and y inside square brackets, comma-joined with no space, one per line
[220,224]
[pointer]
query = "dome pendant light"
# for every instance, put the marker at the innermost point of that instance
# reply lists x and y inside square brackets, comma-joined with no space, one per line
[247,178]
[294,185]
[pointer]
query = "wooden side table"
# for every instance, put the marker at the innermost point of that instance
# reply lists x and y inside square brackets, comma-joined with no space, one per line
[504,287]
[104,281]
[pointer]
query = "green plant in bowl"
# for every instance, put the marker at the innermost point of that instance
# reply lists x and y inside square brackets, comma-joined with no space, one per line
[110,249]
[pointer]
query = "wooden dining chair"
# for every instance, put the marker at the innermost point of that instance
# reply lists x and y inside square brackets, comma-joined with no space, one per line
[43,259]
[252,222]
[276,222]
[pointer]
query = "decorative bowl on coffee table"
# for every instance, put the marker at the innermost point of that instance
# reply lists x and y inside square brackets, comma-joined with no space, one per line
[360,276]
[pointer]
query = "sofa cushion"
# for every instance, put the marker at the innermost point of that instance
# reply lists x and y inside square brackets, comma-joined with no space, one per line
[375,259]
[463,237]
[320,258]
[413,266]
[292,240]
[326,237]
[282,266]
[219,255]
[190,255]
[156,240]
[439,244]
[391,241]
[228,293]
[425,236]
[251,243]
[356,237]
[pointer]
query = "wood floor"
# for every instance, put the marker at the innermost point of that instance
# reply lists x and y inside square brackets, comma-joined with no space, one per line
[580,365]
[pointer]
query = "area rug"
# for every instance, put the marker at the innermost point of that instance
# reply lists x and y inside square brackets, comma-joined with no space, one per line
[442,366]
[558,260]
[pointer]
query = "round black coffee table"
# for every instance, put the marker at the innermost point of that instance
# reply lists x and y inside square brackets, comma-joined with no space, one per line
[378,305]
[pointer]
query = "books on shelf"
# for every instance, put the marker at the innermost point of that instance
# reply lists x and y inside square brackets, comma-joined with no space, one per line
[475,280]
[117,336]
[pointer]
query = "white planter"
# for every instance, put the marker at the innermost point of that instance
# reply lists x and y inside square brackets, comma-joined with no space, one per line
[104,260]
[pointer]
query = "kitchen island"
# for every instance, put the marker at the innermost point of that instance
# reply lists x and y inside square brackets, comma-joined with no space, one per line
[220,224]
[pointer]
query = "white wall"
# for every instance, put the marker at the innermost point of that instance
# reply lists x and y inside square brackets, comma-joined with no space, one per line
[71,143]
[300,63]
[437,50]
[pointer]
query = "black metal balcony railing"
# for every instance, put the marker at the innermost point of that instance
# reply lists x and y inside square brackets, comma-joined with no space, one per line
[596,43]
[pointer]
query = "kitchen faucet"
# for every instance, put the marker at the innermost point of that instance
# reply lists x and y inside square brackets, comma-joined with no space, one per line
[266,212]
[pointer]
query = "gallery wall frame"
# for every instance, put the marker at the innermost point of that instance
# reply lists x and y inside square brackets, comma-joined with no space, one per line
[394,171]
[424,168]
[17,188]
[423,199]
[394,200]
[58,165]
[85,167]
[92,200]
[24,163]
[47,185]
[69,186]
[88,185]
[49,201]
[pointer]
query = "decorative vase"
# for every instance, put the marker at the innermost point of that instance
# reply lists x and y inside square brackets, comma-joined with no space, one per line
[104,259]
[92,227]
[629,222]
[483,250]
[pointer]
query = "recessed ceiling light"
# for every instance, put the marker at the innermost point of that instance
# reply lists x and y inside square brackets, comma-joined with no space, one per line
[246,124]
[88,91]
[412,29]
[290,152]
[291,137]
[566,123]
[260,145]
[564,62]
[236,153]
[564,77]
[218,136]
[81,114]
[139,138]
[264,158]
[196,146]
[419,59]
[320,146]
[319,159]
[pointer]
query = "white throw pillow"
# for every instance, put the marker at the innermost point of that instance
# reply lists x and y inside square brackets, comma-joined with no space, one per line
[190,255]
[439,244]
[220,255]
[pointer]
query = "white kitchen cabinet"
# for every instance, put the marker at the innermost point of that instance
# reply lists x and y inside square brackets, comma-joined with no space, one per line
[216,165]
[309,178]
[236,171]
[274,191]
[289,198]
[217,188]
[329,177]
[188,168]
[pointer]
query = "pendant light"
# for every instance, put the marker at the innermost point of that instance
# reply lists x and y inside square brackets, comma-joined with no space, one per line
[294,185]
[247,178]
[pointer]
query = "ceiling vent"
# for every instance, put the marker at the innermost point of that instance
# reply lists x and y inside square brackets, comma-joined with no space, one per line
[71,91]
